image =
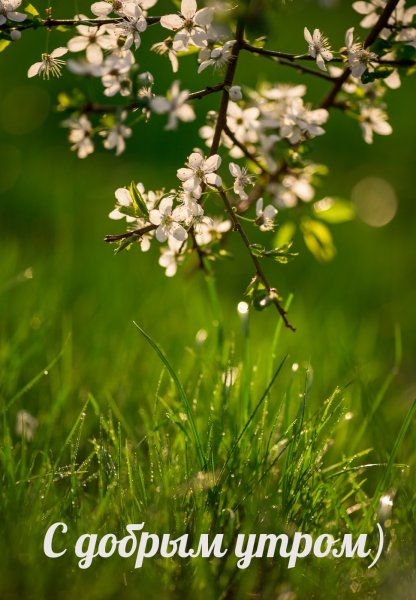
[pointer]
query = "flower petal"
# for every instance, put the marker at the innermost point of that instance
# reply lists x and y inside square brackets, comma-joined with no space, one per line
[204,17]
[212,163]
[172,22]
[34,69]
[188,8]
[195,160]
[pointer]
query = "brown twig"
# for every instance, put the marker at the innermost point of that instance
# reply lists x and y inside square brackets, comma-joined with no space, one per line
[371,38]
[136,233]
[259,269]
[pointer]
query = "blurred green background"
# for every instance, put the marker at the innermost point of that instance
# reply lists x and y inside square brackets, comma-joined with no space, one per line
[54,216]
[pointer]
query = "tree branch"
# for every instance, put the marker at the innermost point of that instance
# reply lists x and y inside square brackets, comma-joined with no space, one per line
[136,233]
[371,38]
[51,23]
[273,294]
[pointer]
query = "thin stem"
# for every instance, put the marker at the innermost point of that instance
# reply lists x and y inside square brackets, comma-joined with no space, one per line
[259,269]
[243,148]
[228,81]
[136,233]
[51,23]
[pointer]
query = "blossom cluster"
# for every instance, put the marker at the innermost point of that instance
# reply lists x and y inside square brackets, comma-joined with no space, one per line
[257,140]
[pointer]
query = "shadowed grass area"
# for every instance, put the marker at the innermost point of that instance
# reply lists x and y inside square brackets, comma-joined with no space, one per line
[220,440]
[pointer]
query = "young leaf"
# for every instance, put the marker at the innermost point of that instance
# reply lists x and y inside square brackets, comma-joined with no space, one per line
[138,202]
[334,210]
[318,239]
[31,10]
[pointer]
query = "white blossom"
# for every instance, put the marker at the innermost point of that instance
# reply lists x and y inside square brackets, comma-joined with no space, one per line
[91,39]
[213,232]
[215,57]
[171,256]
[115,71]
[200,171]
[293,187]
[359,59]
[190,26]
[373,120]
[80,135]
[124,200]
[241,180]
[265,216]
[51,64]
[371,10]
[299,122]
[26,425]
[166,47]
[115,136]
[319,47]
[167,221]
[8,11]
[175,105]
[132,25]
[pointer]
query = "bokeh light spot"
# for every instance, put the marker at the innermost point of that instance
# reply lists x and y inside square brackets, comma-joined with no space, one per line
[375,200]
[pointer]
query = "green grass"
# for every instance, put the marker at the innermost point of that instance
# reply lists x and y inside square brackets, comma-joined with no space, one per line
[139,427]
[187,453]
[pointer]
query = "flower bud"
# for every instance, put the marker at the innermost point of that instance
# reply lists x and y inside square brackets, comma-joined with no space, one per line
[235,93]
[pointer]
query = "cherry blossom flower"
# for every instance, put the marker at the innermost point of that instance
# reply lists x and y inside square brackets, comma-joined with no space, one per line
[115,70]
[265,217]
[51,64]
[293,187]
[105,8]
[124,200]
[171,256]
[175,105]
[359,59]
[80,135]
[371,10]
[212,232]
[216,57]
[299,122]
[166,47]
[319,47]
[132,25]
[190,26]
[167,221]
[241,180]
[200,171]
[91,39]
[373,120]
[8,11]
[115,136]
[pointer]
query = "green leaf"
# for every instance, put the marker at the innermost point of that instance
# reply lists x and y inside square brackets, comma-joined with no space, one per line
[281,254]
[285,233]
[138,202]
[334,210]
[318,239]
[124,245]
[257,294]
[4,44]
[380,73]
[31,10]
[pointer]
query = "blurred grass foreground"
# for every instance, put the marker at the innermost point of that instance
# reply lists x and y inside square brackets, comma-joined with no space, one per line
[237,425]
